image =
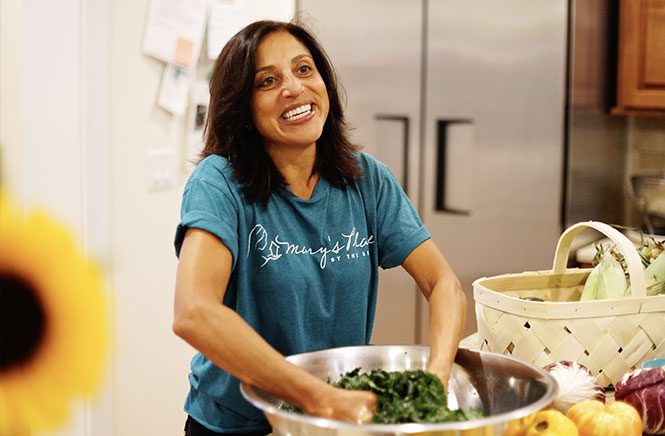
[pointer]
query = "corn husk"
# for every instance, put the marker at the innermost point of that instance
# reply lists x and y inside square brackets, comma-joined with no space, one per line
[606,280]
[654,276]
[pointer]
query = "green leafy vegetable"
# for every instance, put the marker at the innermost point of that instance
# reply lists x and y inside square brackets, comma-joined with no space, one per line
[403,396]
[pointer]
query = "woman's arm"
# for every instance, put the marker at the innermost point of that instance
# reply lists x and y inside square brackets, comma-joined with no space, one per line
[200,318]
[447,305]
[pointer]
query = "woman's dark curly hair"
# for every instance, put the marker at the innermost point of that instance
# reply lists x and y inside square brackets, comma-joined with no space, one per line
[228,130]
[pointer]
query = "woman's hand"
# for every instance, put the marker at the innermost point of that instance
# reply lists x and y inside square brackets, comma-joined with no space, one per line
[442,371]
[345,405]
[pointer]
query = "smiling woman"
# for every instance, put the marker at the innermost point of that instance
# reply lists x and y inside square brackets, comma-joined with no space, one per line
[284,225]
[290,102]
[53,323]
[289,108]
[250,80]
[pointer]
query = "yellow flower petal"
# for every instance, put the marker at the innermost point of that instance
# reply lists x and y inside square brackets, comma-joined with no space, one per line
[68,362]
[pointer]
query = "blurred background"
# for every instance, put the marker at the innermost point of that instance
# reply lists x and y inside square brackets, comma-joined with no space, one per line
[505,122]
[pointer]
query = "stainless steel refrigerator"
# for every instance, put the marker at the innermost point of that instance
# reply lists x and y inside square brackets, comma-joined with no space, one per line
[464,101]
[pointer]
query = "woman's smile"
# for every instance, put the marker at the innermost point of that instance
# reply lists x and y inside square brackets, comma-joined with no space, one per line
[300,113]
[290,101]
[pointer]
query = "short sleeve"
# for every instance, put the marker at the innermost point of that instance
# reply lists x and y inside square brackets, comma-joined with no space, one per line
[399,228]
[210,207]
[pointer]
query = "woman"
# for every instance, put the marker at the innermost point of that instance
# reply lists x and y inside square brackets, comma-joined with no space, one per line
[284,225]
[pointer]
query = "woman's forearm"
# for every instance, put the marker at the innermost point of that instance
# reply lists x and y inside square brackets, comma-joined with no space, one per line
[229,342]
[447,305]
[447,313]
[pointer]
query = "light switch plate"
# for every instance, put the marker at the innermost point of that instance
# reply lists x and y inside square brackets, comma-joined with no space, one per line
[161,169]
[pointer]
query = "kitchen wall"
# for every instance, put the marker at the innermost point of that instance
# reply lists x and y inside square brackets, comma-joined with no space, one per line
[53,133]
[646,145]
[78,122]
[78,117]
[151,363]
[603,150]
[645,153]
[10,80]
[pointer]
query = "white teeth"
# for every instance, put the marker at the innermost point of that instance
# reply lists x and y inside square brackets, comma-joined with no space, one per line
[297,113]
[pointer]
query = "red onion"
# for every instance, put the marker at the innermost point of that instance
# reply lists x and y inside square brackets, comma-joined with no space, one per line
[576,383]
[644,389]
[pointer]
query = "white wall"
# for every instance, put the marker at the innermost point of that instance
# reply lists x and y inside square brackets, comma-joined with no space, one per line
[53,135]
[151,363]
[78,119]
[78,116]
[10,83]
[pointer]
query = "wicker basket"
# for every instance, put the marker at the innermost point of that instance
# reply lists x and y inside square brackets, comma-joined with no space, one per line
[610,337]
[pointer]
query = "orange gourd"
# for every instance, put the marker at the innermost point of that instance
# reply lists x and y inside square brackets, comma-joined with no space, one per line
[594,418]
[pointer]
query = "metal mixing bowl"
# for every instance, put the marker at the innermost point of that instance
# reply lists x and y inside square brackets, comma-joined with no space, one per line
[502,387]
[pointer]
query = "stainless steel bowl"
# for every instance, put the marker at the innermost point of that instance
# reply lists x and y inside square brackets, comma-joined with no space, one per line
[502,387]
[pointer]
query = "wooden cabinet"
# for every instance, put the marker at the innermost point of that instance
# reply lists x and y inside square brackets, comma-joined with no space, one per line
[641,58]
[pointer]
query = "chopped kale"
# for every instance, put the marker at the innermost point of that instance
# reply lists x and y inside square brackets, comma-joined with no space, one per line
[291,408]
[402,396]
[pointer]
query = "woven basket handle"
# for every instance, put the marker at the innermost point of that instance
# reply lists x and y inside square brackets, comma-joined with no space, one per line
[635,269]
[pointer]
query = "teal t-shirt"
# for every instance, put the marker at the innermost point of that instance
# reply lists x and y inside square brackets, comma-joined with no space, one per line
[305,272]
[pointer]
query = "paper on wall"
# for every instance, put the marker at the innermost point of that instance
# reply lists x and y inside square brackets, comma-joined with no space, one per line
[174,89]
[198,114]
[174,30]
[281,10]
[226,18]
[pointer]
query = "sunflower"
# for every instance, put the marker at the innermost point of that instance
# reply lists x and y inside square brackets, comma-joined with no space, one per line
[53,323]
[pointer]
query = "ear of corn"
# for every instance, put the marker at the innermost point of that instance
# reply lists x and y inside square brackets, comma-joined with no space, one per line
[655,276]
[609,278]
[606,280]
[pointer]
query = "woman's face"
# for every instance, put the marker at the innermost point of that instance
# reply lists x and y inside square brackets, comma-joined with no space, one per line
[290,102]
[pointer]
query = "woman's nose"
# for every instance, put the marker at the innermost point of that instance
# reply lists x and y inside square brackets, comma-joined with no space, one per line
[293,87]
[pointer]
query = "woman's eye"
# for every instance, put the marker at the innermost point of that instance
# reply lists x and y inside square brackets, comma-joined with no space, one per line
[304,69]
[268,81]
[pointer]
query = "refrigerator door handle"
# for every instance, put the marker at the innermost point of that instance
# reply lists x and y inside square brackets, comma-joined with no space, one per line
[454,174]
[395,155]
